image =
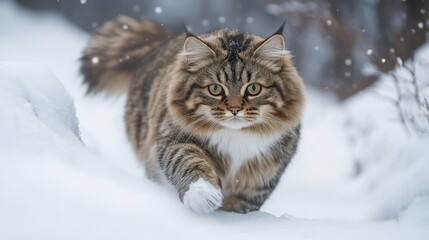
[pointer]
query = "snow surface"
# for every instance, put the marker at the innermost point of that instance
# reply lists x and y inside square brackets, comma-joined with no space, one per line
[67,171]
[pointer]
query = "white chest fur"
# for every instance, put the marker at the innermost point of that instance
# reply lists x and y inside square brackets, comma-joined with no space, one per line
[240,146]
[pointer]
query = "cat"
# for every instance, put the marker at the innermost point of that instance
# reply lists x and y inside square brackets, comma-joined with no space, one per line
[216,115]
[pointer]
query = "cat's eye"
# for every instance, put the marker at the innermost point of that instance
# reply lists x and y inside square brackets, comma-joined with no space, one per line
[215,89]
[253,89]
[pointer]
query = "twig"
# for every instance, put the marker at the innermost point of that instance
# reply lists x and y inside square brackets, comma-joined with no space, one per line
[411,68]
[398,102]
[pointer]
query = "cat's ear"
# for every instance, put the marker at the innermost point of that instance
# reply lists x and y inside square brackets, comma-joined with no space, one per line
[271,50]
[197,53]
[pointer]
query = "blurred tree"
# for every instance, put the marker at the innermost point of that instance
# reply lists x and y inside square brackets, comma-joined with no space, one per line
[340,46]
[354,35]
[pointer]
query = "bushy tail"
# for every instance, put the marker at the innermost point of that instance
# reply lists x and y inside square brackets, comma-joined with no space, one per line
[116,51]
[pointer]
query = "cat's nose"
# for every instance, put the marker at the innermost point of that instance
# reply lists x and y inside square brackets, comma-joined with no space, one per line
[235,110]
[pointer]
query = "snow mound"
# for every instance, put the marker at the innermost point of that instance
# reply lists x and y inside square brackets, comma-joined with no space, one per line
[35,108]
[356,161]
[391,165]
[52,185]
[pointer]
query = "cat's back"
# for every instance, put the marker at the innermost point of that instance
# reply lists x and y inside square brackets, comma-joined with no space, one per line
[154,65]
[146,104]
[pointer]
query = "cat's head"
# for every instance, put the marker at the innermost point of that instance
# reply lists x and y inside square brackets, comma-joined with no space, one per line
[228,79]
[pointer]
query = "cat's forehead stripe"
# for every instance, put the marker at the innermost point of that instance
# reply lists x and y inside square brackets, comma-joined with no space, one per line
[234,43]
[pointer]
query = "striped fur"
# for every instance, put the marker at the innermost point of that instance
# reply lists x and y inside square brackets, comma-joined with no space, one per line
[179,130]
[116,50]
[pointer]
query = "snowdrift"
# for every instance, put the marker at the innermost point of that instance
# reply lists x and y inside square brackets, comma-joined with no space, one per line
[67,172]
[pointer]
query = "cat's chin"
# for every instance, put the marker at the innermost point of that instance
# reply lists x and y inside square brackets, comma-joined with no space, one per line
[235,124]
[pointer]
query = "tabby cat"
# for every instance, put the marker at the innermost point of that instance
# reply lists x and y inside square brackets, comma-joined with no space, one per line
[216,115]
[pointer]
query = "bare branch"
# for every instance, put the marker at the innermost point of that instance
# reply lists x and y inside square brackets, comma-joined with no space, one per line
[411,108]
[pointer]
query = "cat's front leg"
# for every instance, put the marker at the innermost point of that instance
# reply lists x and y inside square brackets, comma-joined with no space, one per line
[188,169]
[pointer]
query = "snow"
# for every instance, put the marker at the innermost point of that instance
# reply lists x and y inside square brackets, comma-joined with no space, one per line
[222,19]
[67,170]
[95,60]
[136,8]
[158,10]
[348,62]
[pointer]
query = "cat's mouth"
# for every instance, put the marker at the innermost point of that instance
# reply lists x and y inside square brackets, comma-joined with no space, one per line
[235,122]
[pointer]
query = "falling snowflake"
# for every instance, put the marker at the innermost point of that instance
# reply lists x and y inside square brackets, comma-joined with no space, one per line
[95,60]
[369,52]
[158,10]
[136,8]
[329,22]
[222,19]
[125,27]
[249,19]
[347,74]
[82,1]
[420,25]
[205,22]
[383,60]
[348,62]
[316,48]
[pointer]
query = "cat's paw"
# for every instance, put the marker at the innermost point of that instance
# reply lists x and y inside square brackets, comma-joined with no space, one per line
[203,197]
[233,204]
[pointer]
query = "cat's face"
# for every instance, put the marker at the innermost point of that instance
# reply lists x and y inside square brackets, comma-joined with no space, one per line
[236,81]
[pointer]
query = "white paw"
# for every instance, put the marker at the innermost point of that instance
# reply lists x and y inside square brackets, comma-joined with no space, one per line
[203,197]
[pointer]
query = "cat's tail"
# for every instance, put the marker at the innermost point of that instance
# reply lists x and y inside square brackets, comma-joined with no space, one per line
[116,51]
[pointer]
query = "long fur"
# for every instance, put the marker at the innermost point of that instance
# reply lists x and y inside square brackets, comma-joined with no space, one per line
[180,131]
[116,51]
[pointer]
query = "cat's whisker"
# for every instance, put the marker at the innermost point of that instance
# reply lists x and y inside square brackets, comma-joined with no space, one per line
[185,129]
[192,134]
[264,121]
[283,125]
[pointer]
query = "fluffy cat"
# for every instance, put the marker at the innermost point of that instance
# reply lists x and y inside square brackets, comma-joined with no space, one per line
[216,115]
